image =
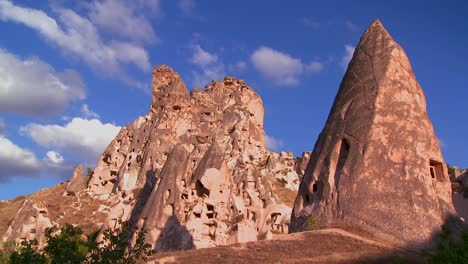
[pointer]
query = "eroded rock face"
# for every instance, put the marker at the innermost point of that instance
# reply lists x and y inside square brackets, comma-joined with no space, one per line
[29,223]
[194,171]
[77,182]
[377,165]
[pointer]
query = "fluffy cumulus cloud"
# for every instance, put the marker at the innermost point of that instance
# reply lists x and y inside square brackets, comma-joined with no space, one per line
[16,161]
[273,144]
[349,51]
[84,138]
[208,64]
[79,37]
[33,87]
[281,68]
[20,162]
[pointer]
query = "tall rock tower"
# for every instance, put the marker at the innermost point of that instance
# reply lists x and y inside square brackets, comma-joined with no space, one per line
[377,166]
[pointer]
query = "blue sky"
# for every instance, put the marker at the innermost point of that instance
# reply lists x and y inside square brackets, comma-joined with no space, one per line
[72,73]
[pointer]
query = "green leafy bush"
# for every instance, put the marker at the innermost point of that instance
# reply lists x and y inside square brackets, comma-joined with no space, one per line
[27,253]
[69,246]
[450,250]
[312,224]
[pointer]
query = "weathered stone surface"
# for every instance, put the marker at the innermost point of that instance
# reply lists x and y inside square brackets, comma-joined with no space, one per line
[377,165]
[29,223]
[77,182]
[194,171]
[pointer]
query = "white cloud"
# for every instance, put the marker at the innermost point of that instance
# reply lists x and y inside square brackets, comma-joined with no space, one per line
[81,137]
[210,68]
[20,162]
[33,87]
[281,68]
[186,6]
[273,144]
[54,164]
[88,113]
[16,161]
[349,51]
[201,57]
[54,157]
[124,18]
[78,36]
[313,67]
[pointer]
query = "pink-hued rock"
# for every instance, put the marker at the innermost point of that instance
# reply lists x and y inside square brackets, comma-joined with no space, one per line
[29,223]
[77,182]
[195,171]
[377,164]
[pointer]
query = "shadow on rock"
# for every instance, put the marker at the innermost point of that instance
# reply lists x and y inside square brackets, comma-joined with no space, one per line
[174,236]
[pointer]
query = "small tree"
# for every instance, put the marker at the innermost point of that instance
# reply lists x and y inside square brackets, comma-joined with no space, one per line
[66,246]
[28,253]
[115,247]
[451,251]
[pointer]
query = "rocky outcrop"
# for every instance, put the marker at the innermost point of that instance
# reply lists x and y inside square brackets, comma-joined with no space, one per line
[29,223]
[77,182]
[194,171]
[377,164]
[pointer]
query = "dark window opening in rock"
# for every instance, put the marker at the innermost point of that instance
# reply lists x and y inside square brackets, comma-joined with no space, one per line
[437,170]
[314,187]
[210,213]
[176,107]
[201,190]
[113,173]
[184,196]
[343,156]
[197,214]
[33,231]
[306,199]
[106,158]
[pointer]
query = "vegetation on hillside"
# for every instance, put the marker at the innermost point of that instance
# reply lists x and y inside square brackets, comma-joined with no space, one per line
[451,250]
[68,245]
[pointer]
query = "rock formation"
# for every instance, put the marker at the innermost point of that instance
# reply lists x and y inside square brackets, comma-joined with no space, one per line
[194,171]
[377,166]
[29,223]
[77,182]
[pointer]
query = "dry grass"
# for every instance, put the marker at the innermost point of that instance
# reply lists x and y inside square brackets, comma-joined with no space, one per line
[80,210]
[306,247]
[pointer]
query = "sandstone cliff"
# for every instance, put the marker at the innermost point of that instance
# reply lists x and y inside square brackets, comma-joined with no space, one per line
[377,166]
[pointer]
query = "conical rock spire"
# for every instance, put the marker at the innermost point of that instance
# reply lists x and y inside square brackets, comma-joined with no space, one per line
[377,165]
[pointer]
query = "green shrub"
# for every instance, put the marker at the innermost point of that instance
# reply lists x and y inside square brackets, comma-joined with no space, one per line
[312,224]
[69,246]
[28,253]
[450,250]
